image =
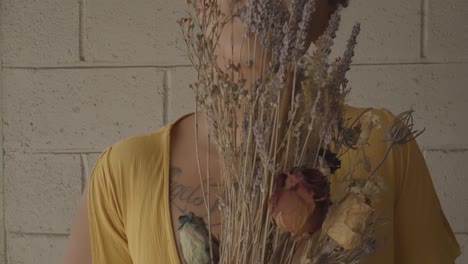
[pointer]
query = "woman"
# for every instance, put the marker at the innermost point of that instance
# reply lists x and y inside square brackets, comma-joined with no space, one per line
[141,185]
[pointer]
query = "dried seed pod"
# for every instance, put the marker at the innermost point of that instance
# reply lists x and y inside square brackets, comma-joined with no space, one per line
[351,135]
[400,130]
[369,121]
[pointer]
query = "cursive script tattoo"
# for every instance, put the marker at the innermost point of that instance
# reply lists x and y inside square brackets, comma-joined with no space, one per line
[183,192]
[186,194]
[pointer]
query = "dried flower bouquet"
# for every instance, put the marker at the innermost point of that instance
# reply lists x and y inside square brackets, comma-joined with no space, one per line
[278,147]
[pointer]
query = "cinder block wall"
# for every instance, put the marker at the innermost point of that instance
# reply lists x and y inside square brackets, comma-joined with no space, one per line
[78,75]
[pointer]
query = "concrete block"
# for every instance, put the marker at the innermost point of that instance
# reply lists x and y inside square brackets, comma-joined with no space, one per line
[448,170]
[390,30]
[35,249]
[447,38]
[437,92]
[40,32]
[180,96]
[463,241]
[41,192]
[79,109]
[134,32]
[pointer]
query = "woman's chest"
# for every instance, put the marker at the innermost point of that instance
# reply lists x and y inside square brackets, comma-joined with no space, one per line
[193,184]
[188,192]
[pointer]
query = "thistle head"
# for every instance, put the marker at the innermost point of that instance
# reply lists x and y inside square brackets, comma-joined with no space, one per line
[401,129]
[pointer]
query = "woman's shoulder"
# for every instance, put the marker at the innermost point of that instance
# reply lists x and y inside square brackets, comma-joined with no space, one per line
[381,116]
[146,145]
[135,155]
[141,152]
[355,111]
[141,146]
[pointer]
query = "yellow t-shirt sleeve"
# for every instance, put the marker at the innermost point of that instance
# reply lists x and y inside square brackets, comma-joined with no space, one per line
[107,232]
[422,232]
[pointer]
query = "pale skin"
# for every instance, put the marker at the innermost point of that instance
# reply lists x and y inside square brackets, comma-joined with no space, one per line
[186,194]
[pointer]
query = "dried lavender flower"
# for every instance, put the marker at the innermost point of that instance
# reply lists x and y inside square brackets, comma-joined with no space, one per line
[257,15]
[288,44]
[304,28]
[325,42]
[345,62]
[295,11]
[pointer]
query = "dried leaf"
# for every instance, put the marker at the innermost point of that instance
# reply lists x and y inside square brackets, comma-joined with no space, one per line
[347,221]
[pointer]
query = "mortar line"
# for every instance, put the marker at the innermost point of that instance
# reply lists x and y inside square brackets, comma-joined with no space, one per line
[59,151]
[424,28]
[94,66]
[165,93]
[410,63]
[2,116]
[445,150]
[81,27]
[93,151]
[166,67]
[39,234]
[84,171]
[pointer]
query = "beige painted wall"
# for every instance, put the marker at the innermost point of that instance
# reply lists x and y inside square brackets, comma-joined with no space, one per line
[78,75]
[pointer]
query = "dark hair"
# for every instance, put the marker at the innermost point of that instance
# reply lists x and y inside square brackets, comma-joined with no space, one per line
[339,2]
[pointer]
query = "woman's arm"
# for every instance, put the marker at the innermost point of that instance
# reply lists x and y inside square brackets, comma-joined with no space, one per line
[98,233]
[78,249]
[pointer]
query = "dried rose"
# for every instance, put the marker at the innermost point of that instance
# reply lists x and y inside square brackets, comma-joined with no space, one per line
[300,200]
[347,221]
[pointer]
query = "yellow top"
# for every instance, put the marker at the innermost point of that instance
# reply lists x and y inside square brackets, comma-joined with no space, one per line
[130,221]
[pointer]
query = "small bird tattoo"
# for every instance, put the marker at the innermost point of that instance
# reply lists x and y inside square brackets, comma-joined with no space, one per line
[194,240]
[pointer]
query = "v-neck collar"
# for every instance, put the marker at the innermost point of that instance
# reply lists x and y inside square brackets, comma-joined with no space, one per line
[167,155]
